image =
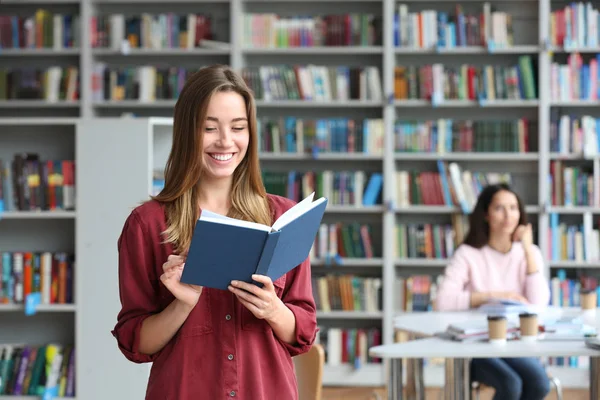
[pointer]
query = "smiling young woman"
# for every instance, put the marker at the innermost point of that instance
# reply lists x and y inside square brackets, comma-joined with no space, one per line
[206,343]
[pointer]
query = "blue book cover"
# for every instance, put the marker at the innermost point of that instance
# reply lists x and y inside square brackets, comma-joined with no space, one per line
[225,249]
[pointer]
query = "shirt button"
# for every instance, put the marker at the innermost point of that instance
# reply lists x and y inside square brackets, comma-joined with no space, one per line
[232,393]
[230,357]
[228,317]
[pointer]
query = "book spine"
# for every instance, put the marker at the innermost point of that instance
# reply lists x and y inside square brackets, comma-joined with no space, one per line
[267,254]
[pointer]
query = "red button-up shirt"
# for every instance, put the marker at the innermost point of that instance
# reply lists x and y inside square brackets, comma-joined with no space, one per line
[222,350]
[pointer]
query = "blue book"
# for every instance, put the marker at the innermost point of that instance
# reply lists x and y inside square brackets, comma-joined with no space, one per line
[225,249]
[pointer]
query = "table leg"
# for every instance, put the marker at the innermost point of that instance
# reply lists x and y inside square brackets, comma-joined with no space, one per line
[415,386]
[457,379]
[594,378]
[395,384]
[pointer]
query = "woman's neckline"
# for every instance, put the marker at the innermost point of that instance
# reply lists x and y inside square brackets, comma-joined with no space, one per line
[501,252]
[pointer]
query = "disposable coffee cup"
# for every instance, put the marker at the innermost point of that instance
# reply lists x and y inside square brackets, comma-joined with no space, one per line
[588,299]
[497,329]
[528,325]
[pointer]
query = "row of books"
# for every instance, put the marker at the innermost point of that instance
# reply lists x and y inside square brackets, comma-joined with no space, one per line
[346,240]
[44,29]
[425,240]
[449,186]
[349,346]
[143,83]
[30,183]
[572,134]
[50,274]
[46,371]
[573,242]
[429,29]
[416,293]
[571,185]
[575,80]
[564,290]
[314,82]
[268,30]
[51,84]
[306,135]
[446,135]
[439,82]
[347,293]
[575,25]
[151,31]
[353,188]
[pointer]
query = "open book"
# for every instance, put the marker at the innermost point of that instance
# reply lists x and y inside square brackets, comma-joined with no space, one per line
[225,249]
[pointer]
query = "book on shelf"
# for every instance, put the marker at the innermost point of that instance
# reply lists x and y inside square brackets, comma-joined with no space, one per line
[428,241]
[446,135]
[571,185]
[575,80]
[151,31]
[431,29]
[574,242]
[347,292]
[33,370]
[572,135]
[450,186]
[343,240]
[30,183]
[439,82]
[564,290]
[52,84]
[351,188]
[51,274]
[143,83]
[349,346]
[314,82]
[268,30]
[42,30]
[416,292]
[261,249]
[574,25]
[313,136]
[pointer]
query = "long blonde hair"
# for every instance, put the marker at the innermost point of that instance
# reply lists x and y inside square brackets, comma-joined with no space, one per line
[183,170]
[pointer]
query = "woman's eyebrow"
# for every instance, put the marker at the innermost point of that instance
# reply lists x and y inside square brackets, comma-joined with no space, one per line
[215,119]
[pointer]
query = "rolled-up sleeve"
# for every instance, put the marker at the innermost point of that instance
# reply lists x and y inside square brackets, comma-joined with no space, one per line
[137,288]
[298,297]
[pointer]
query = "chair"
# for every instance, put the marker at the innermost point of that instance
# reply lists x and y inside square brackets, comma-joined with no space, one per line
[309,373]
[554,381]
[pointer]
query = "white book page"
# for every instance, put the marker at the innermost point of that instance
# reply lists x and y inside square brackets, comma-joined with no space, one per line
[210,216]
[301,208]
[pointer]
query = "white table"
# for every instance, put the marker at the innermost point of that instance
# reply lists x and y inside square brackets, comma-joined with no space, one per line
[458,384]
[427,324]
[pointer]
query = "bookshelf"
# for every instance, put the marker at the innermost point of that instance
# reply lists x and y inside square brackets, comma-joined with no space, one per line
[100,128]
[37,243]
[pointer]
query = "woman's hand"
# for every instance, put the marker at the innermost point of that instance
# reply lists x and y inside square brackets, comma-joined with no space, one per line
[514,296]
[524,234]
[171,278]
[262,302]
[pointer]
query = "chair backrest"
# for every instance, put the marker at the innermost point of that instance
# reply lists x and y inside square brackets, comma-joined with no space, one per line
[309,373]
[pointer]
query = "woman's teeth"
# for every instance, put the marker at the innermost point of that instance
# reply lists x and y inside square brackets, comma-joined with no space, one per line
[222,157]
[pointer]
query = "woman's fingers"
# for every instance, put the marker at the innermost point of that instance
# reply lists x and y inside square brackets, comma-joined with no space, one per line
[173,261]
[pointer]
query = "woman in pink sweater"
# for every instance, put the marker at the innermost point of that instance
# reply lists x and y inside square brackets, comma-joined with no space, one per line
[498,260]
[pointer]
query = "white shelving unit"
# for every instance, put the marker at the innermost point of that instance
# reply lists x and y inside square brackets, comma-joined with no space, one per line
[39,231]
[116,157]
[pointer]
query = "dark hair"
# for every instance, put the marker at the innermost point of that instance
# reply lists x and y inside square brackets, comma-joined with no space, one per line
[479,230]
